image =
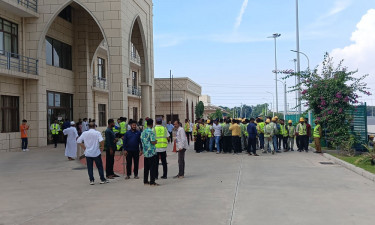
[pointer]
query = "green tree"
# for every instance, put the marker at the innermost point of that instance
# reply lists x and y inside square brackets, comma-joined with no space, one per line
[216,115]
[330,94]
[199,110]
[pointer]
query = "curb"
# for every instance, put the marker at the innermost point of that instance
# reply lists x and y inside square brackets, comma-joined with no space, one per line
[351,167]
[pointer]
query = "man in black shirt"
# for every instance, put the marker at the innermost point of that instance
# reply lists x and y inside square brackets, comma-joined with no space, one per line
[110,147]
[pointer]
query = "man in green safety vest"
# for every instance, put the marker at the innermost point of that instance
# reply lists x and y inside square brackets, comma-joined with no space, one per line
[116,128]
[269,130]
[162,138]
[291,135]
[284,133]
[260,129]
[302,138]
[123,126]
[317,135]
[55,129]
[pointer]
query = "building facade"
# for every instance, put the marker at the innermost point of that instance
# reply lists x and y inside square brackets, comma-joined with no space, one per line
[180,101]
[210,108]
[71,59]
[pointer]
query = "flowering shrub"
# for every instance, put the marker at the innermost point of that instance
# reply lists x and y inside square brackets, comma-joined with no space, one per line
[330,95]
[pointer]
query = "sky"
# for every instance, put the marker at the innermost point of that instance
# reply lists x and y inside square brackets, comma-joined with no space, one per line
[222,44]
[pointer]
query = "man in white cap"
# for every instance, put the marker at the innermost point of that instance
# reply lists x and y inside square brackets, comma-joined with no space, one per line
[71,141]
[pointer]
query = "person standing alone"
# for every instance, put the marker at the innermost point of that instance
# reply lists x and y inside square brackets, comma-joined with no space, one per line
[71,141]
[131,146]
[317,135]
[24,128]
[181,146]
[55,129]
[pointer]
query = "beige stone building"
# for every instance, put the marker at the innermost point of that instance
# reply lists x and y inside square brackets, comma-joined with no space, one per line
[71,59]
[208,107]
[184,98]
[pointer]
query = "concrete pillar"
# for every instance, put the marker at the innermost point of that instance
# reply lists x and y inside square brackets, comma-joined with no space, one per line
[146,103]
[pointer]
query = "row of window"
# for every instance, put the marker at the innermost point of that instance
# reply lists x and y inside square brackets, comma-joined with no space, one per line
[58,54]
[8,37]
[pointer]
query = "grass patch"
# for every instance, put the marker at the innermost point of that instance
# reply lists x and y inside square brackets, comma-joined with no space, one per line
[368,167]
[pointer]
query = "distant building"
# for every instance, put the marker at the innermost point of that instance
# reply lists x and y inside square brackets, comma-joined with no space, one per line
[208,107]
[182,102]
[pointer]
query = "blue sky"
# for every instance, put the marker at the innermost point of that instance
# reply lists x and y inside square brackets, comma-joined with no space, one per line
[223,44]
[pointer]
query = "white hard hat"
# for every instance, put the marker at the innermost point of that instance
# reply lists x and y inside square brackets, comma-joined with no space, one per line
[72,123]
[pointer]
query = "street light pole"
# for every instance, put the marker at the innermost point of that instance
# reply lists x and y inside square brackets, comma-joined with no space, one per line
[298,59]
[285,101]
[273,102]
[308,60]
[275,36]
[295,80]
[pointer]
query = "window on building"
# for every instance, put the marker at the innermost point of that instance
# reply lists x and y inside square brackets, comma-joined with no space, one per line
[66,14]
[8,37]
[135,113]
[101,68]
[102,115]
[133,51]
[134,79]
[58,54]
[9,113]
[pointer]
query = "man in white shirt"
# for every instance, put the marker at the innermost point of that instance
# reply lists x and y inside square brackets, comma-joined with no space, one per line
[89,142]
[217,134]
[181,146]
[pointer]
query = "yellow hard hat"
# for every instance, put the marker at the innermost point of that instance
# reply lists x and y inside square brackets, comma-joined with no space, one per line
[290,121]
[371,136]
[208,121]
[268,120]
[274,119]
[301,119]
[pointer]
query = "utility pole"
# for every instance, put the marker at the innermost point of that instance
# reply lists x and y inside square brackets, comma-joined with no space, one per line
[298,58]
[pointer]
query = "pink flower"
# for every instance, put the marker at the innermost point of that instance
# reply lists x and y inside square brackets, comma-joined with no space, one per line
[323,103]
[338,95]
[346,99]
[304,92]
[330,112]
[340,110]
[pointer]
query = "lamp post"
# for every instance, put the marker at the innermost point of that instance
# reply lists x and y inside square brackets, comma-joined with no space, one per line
[275,36]
[295,81]
[298,59]
[308,60]
[273,102]
[285,101]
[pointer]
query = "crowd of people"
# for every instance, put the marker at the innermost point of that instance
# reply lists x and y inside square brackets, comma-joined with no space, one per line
[272,135]
[137,138]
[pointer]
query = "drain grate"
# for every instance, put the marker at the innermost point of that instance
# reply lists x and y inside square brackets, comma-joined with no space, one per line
[79,168]
[326,163]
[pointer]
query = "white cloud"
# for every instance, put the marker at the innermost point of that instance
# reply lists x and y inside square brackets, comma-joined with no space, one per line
[240,15]
[339,6]
[360,54]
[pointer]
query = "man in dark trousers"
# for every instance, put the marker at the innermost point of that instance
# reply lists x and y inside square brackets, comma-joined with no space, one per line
[252,131]
[149,141]
[131,146]
[110,148]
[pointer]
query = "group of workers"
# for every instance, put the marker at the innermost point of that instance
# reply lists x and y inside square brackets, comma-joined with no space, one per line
[273,135]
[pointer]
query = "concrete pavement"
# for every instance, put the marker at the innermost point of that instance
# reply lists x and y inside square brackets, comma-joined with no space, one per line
[41,187]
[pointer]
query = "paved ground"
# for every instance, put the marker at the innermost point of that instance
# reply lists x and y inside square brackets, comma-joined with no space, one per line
[41,187]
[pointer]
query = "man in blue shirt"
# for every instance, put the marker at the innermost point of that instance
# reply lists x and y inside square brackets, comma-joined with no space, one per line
[148,138]
[131,145]
[252,131]
[170,129]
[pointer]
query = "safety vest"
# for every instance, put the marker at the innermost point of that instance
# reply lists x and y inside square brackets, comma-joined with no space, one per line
[195,130]
[187,127]
[291,131]
[123,128]
[208,131]
[116,130]
[302,129]
[284,130]
[261,127]
[55,129]
[119,144]
[268,130]
[201,129]
[316,131]
[161,136]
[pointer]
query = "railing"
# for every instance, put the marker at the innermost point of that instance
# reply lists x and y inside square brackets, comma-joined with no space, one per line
[134,57]
[132,90]
[100,82]
[30,4]
[16,62]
